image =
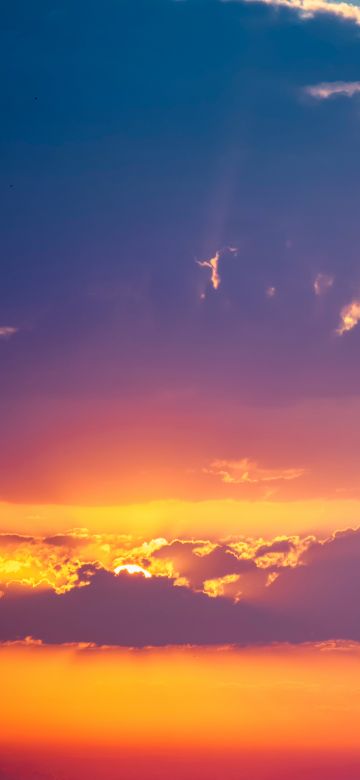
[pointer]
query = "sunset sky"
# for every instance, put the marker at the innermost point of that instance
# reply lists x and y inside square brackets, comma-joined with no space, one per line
[180,389]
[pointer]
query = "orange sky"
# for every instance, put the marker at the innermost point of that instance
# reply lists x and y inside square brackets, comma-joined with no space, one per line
[305,698]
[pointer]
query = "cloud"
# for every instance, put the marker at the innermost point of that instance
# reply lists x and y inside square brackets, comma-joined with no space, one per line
[129,610]
[278,546]
[237,472]
[270,292]
[213,265]
[349,317]
[311,599]
[189,562]
[323,283]
[328,89]
[6,331]
[309,8]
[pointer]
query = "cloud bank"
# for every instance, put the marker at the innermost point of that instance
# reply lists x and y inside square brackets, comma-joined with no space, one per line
[244,592]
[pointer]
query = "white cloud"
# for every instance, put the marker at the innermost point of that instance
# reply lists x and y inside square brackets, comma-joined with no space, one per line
[349,317]
[330,89]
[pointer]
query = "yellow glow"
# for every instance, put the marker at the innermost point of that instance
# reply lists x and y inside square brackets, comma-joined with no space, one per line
[267,697]
[199,519]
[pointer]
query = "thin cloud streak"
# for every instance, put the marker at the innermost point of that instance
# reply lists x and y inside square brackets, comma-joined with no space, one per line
[327,90]
[6,331]
[244,471]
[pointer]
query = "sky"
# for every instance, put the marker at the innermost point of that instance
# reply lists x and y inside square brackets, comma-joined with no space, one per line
[179,388]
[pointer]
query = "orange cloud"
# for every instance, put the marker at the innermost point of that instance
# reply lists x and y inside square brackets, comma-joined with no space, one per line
[349,317]
[213,265]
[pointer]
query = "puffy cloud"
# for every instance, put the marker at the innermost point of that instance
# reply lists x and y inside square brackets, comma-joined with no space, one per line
[309,597]
[248,471]
[349,317]
[188,561]
[133,611]
[322,590]
[328,89]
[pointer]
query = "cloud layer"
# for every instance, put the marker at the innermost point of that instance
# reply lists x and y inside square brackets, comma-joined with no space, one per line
[244,592]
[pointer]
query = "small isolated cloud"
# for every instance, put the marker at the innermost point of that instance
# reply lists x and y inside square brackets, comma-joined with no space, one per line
[349,317]
[246,471]
[309,8]
[270,292]
[213,264]
[6,331]
[323,283]
[330,89]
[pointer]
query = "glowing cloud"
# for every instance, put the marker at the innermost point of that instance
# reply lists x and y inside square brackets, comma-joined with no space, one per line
[237,472]
[323,283]
[6,331]
[349,317]
[330,89]
[308,8]
[213,264]
[132,568]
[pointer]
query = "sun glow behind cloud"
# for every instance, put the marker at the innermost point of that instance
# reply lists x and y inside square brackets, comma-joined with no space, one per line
[132,568]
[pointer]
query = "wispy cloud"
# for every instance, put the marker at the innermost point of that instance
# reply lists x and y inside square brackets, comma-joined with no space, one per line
[308,8]
[213,264]
[323,283]
[328,89]
[6,331]
[244,471]
[349,317]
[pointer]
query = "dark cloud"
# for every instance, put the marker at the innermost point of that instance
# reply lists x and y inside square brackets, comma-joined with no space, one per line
[65,540]
[197,568]
[280,546]
[314,601]
[130,610]
[15,540]
[323,589]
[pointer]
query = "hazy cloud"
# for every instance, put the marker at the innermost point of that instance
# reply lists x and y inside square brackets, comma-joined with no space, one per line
[6,331]
[328,89]
[238,472]
[323,283]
